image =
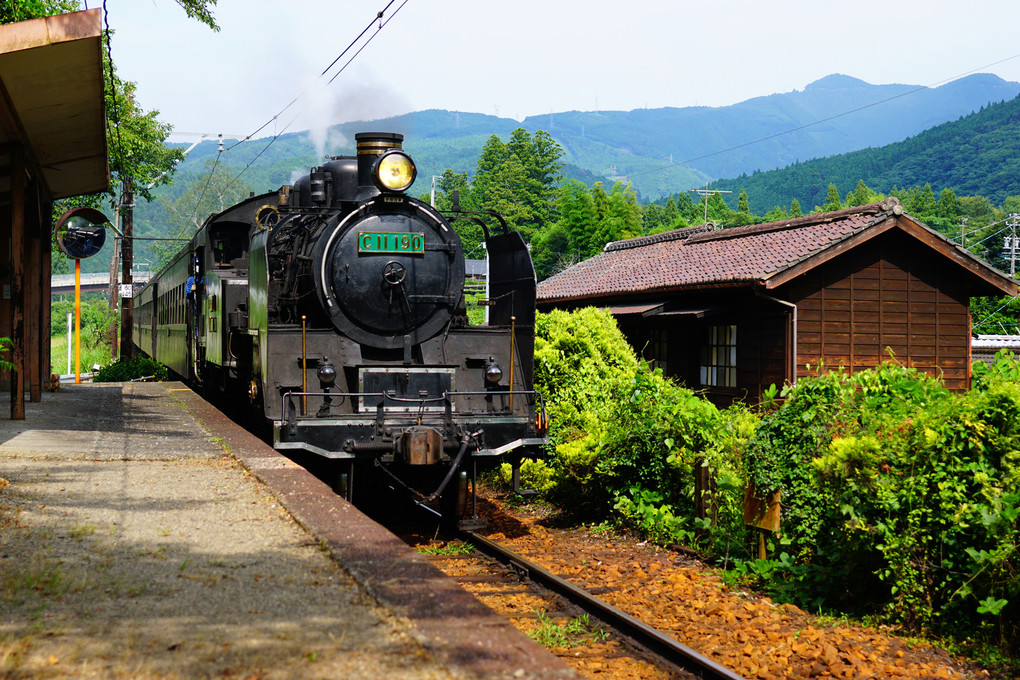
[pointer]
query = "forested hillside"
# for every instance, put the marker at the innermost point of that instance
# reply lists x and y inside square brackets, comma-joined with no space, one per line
[853,114]
[658,150]
[977,154]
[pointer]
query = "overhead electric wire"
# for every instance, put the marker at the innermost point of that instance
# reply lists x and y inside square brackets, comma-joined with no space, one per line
[208,179]
[382,24]
[114,113]
[377,17]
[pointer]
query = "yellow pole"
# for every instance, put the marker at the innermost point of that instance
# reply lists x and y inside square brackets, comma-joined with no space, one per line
[77,321]
[304,369]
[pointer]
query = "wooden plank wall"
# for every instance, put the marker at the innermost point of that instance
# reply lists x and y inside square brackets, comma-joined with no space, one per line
[888,294]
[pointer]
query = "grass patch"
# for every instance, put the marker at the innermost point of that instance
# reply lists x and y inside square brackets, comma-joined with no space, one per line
[603,529]
[42,579]
[89,356]
[451,548]
[576,632]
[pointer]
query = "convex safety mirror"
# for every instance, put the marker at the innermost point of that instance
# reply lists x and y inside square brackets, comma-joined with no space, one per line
[80,232]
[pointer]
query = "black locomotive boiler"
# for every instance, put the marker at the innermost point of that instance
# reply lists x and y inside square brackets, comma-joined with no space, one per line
[334,309]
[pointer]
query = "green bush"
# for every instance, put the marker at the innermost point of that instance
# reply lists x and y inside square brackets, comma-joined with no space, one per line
[896,488]
[583,365]
[628,439]
[125,369]
[96,320]
[535,476]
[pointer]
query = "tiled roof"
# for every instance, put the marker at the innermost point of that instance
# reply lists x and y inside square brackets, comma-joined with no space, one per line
[996,342]
[694,256]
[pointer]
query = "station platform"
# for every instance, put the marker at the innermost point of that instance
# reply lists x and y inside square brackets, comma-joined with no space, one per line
[145,535]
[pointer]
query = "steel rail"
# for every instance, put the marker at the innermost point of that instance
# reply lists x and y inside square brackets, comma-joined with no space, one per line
[651,639]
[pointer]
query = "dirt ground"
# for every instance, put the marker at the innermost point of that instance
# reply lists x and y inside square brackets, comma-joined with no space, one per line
[738,629]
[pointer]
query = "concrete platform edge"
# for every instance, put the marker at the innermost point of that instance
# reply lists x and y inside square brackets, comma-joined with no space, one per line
[444,618]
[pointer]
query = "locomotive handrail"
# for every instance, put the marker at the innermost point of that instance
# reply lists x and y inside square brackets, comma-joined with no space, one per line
[286,396]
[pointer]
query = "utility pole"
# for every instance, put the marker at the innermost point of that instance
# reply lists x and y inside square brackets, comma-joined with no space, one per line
[1013,217]
[706,192]
[127,250]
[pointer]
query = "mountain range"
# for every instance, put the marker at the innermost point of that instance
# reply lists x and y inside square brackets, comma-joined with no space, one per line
[661,151]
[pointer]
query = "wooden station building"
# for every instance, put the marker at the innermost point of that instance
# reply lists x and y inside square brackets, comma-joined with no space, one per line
[732,311]
[52,146]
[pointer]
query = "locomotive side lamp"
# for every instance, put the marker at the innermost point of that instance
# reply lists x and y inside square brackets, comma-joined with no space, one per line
[493,373]
[394,171]
[327,374]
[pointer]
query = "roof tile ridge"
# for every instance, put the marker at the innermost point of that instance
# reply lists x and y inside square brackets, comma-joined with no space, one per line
[681,234]
[797,222]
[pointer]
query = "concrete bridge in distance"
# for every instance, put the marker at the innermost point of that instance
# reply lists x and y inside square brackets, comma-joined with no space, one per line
[61,284]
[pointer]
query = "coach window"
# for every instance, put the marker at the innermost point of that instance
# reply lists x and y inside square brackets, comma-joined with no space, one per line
[718,365]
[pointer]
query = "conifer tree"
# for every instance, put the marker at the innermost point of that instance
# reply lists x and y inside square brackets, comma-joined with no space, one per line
[832,200]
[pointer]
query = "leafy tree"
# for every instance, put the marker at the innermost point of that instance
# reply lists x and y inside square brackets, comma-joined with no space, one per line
[32,9]
[924,203]
[718,211]
[1011,205]
[742,205]
[832,200]
[135,138]
[517,179]
[795,210]
[687,209]
[578,217]
[622,217]
[11,12]
[948,207]
[671,216]
[777,213]
[600,201]
[653,219]
[862,195]
[551,251]
[447,185]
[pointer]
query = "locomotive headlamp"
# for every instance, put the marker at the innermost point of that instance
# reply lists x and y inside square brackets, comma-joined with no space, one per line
[395,171]
[327,374]
[493,373]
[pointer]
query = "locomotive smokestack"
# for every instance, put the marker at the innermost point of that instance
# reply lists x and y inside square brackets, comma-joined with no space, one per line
[371,145]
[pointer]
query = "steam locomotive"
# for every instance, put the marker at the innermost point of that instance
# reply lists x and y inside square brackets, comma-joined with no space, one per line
[335,310]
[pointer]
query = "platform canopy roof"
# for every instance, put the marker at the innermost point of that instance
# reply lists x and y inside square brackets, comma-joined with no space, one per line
[51,100]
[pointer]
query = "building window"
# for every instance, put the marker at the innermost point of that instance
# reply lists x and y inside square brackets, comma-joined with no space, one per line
[719,357]
[657,348]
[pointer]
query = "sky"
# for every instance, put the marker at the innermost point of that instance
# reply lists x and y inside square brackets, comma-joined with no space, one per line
[516,58]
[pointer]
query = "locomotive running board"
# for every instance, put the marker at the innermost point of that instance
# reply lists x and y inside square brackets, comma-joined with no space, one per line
[516,444]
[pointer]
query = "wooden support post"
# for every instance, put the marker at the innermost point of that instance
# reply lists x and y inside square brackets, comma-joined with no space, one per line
[704,503]
[127,258]
[45,262]
[33,302]
[17,356]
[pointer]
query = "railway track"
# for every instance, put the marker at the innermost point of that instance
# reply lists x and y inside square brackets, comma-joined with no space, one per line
[669,651]
[654,655]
